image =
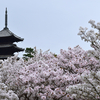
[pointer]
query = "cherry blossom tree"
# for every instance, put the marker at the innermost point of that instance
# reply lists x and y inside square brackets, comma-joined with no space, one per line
[90,81]
[92,37]
[46,77]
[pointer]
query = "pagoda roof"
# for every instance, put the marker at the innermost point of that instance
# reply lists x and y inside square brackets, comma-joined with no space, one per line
[7,33]
[13,46]
[5,56]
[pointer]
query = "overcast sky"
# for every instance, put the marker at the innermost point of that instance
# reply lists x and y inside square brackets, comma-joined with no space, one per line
[49,24]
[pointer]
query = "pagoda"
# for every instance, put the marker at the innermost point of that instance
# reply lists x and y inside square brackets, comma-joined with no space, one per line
[7,39]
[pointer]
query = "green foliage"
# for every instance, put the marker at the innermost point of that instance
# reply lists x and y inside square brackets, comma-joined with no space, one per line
[28,53]
[55,55]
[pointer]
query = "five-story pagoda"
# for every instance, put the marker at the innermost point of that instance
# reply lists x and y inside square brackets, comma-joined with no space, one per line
[7,39]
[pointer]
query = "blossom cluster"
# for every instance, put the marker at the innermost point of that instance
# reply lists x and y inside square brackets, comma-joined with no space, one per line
[6,94]
[92,37]
[89,89]
[46,77]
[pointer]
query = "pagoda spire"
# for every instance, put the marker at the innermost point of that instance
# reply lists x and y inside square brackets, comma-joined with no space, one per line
[6,18]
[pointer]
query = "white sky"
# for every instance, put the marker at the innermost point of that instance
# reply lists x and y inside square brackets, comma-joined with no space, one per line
[49,24]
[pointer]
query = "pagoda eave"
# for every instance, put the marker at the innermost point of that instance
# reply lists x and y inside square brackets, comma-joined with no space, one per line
[4,49]
[6,33]
[5,56]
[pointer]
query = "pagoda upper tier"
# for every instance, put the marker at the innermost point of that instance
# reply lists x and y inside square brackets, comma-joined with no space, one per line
[7,36]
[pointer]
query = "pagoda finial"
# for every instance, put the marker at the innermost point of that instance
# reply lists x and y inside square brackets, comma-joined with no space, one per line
[6,18]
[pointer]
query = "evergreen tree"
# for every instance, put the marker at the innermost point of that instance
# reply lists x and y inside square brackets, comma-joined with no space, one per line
[28,53]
